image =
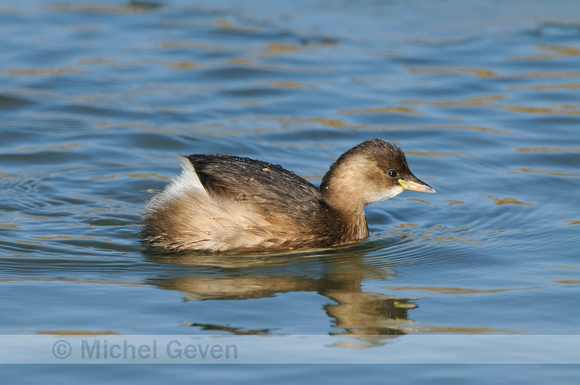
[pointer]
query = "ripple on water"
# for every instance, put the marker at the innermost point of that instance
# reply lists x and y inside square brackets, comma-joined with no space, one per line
[12,102]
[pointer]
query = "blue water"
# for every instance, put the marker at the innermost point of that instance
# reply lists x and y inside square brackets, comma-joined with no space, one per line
[97,99]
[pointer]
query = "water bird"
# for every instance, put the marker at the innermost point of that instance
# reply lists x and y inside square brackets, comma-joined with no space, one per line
[224,203]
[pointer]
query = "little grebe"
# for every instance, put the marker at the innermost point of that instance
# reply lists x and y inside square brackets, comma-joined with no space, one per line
[226,203]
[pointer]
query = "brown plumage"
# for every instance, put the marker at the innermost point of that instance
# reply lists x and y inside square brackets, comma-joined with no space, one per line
[226,203]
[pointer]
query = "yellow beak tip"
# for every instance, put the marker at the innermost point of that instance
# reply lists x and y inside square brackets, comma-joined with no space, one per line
[414,186]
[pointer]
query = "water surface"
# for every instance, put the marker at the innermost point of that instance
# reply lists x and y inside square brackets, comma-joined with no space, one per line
[97,99]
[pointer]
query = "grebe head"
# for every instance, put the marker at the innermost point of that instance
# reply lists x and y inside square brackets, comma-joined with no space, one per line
[370,172]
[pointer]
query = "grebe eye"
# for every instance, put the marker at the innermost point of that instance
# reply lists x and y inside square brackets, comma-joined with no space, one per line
[392,173]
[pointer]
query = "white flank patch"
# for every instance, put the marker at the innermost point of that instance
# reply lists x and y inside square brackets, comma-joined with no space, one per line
[188,181]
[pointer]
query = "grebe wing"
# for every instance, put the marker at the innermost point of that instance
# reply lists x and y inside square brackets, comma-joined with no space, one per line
[254,181]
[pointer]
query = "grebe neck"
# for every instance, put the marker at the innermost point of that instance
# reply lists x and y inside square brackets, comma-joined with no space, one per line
[341,189]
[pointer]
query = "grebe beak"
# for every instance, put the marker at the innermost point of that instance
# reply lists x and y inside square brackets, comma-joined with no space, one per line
[413,183]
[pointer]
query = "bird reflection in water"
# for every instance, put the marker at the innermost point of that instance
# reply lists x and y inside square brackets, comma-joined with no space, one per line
[373,318]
